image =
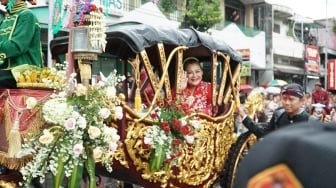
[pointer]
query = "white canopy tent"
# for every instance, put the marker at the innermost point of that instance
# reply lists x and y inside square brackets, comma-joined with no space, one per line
[149,14]
[233,36]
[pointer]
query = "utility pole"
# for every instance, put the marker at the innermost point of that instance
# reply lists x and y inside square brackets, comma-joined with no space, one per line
[326,49]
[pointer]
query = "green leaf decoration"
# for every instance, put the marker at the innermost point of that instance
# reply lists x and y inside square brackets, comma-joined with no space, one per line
[90,166]
[156,158]
[58,178]
[76,176]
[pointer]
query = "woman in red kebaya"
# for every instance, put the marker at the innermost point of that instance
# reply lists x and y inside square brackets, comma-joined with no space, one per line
[195,92]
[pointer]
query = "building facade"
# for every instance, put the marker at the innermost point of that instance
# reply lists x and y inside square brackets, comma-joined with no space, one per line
[275,42]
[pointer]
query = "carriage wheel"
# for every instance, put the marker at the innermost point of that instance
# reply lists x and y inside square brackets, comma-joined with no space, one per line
[237,152]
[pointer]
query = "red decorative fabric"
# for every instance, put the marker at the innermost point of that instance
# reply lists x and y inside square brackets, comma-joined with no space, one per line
[16,99]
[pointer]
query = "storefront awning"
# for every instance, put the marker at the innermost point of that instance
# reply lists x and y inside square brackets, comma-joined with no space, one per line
[288,69]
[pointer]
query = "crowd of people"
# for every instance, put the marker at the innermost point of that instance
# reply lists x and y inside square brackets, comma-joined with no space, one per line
[287,157]
[289,106]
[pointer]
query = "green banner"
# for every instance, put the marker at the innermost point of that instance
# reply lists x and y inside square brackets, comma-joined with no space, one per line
[245,68]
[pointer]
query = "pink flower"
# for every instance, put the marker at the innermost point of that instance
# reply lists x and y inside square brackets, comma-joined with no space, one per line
[78,149]
[195,123]
[70,124]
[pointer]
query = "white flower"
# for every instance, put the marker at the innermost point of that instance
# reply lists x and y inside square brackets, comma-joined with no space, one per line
[195,123]
[111,92]
[115,138]
[97,153]
[118,112]
[46,138]
[111,134]
[81,122]
[104,113]
[148,140]
[183,121]
[70,124]
[108,131]
[113,147]
[78,149]
[31,102]
[56,111]
[190,139]
[94,132]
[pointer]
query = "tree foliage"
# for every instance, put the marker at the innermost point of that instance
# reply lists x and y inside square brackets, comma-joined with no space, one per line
[167,6]
[202,14]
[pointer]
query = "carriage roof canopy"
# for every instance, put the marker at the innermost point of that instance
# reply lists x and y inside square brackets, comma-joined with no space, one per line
[122,40]
[141,36]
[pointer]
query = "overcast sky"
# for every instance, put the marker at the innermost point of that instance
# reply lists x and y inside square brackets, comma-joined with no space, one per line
[315,9]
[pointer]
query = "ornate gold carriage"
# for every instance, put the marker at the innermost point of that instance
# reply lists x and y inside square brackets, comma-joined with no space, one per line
[160,52]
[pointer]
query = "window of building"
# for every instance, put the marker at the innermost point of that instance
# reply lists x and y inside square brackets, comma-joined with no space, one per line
[234,11]
[259,17]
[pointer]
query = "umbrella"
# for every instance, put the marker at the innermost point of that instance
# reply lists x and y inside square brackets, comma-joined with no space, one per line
[273,90]
[277,82]
[245,87]
[260,89]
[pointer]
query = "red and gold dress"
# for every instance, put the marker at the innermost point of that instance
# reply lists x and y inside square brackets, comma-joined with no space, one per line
[199,99]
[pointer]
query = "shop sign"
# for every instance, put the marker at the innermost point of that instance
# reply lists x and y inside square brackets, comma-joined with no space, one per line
[116,7]
[245,68]
[245,53]
[331,83]
[312,59]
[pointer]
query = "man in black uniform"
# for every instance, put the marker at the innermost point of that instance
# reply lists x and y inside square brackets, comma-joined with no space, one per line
[290,112]
[300,156]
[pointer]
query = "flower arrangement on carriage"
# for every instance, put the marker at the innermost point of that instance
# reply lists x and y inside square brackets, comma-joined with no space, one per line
[171,130]
[76,134]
